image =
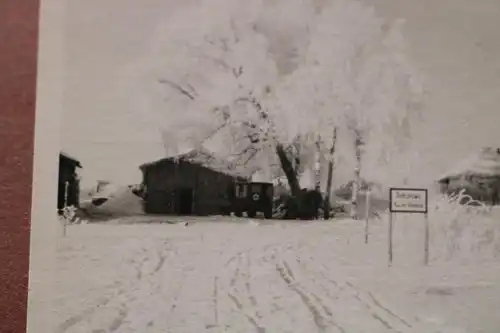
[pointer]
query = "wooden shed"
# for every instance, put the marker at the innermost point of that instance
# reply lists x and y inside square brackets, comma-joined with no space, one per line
[478,175]
[194,183]
[68,184]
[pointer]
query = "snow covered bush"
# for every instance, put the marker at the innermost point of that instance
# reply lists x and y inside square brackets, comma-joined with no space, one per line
[69,216]
[463,229]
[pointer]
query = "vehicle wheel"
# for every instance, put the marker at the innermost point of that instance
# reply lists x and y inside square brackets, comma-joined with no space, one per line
[268,214]
[251,213]
[238,214]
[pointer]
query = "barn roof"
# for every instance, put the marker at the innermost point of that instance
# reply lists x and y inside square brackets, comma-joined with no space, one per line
[207,159]
[486,162]
[71,158]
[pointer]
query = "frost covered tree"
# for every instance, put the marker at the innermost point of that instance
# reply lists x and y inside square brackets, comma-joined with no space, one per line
[387,92]
[355,75]
[366,82]
[226,74]
[343,67]
[220,69]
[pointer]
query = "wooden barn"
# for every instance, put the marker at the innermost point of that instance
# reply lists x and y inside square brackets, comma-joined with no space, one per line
[478,175]
[68,175]
[195,183]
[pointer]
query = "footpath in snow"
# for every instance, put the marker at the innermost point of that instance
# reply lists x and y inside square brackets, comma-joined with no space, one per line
[237,275]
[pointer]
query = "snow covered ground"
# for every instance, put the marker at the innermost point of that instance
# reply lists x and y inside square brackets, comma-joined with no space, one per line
[236,275]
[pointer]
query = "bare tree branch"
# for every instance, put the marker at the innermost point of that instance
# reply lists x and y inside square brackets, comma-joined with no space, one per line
[234,30]
[252,155]
[258,106]
[214,132]
[192,89]
[217,61]
[237,72]
[245,150]
[183,91]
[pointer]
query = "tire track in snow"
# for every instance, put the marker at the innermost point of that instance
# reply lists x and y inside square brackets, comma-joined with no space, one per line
[152,281]
[124,291]
[248,286]
[235,294]
[76,319]
[241,309]
[117,289]
[215,301]
[377,305]
[127,295]
[130,295]
[242,294]
[376,302]
[321,321]
[374,308]
[162,255]
[236,274]
[86,315]
[138,266]
[119,319]
[231,259]
[390,322]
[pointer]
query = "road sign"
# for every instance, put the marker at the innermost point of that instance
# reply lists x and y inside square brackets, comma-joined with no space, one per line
[408,200]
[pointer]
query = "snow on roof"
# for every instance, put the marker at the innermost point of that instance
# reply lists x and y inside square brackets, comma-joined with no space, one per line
[207,159]
[486,162]
[69,157]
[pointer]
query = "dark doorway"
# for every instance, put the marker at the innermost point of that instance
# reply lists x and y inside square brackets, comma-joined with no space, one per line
[185,201]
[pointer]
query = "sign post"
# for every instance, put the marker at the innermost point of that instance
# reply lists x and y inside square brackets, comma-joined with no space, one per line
[426,241]
[390,238]
[367,214]
[66,187]
[409,200]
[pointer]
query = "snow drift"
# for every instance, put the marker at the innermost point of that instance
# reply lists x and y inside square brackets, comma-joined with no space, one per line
[113,201]
[216,275]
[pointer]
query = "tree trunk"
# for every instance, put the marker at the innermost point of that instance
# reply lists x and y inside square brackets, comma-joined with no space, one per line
[355,192]
[317,165]
[357,171]
[288,169]
[354,197]
[327,205]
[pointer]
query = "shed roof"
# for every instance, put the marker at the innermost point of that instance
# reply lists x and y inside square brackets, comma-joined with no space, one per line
[207,159]
[486,162]
[71,158]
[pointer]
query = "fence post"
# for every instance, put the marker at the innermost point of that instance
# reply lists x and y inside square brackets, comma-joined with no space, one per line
[426,240]
[390,237]
[66,187]
[367,214]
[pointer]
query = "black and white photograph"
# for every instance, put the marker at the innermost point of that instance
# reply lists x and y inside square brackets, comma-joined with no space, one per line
[278,166]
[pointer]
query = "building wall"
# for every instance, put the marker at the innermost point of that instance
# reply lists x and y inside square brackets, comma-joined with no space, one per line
[163,182]
[67,173]
[485,189]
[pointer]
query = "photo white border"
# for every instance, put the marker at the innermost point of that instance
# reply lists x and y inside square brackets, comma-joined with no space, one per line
[45,228]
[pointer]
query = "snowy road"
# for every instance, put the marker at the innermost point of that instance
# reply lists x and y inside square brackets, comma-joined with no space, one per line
[239,277]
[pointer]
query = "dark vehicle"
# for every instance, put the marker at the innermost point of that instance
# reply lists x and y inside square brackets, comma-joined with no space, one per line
[251,198]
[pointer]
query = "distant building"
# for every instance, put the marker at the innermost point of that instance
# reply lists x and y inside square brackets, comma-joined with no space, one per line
[478,175]
[69,184]
[194,183]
